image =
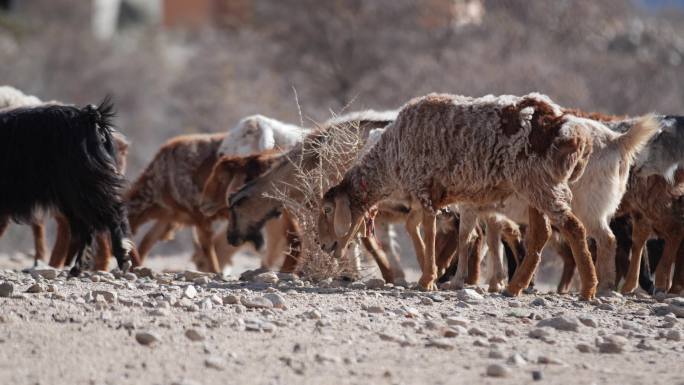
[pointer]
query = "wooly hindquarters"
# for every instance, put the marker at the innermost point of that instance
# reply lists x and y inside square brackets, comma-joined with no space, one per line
[63,158]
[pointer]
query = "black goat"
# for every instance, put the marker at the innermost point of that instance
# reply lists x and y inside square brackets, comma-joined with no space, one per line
[63,159]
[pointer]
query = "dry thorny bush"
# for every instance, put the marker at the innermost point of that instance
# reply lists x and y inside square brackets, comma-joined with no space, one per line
[335,147]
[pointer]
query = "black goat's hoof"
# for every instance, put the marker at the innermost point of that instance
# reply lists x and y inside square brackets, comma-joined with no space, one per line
[74,272]
[125,266]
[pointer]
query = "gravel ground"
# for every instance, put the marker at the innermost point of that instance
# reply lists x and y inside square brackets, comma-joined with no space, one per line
[194,328]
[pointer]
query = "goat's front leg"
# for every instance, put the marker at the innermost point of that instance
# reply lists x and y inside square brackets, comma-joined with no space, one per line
[465,232]
[429,267]
[640,233]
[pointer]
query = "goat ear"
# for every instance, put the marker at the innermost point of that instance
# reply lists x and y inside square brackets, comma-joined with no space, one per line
[233,185]
[362,228]
[343,219]
[267,138]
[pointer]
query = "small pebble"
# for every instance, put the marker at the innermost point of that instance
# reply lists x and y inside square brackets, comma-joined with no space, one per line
[498,370]
[147,338]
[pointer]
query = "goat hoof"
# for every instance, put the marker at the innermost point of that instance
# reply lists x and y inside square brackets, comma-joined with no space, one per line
[676,289]
[74,272]
[628,288]
[588,294]
[125,266]
[509,293]
[495,287]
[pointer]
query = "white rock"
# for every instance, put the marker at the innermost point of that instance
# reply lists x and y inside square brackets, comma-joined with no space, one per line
[256,302]
[189,292]
[215,363]
[268,277]
[277,300]
[469,296]
[312,314]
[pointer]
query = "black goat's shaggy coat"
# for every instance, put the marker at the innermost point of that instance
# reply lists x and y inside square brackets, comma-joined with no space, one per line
[62,158]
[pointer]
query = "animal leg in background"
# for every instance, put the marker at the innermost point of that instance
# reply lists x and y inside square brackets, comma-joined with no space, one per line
[160,230]
[387,237]
[429,267]
[466,231]
[641,230]
[664,269]
[380,258]
[39,242]
[205,234]
[605,255]
[495,253]
[678,278]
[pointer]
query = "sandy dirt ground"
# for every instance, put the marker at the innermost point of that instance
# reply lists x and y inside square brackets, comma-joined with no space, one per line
[192,328]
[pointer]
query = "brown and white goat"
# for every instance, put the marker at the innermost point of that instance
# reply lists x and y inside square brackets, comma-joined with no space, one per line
[444,149]
[169,191]
[230,173]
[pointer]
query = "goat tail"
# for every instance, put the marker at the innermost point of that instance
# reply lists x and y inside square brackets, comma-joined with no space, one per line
[633,141]
[103,114]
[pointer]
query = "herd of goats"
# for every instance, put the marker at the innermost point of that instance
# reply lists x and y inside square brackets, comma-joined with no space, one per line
[466,176]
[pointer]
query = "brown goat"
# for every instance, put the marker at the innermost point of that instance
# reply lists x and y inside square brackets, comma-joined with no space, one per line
[169,191]
[230,173]
[653,204]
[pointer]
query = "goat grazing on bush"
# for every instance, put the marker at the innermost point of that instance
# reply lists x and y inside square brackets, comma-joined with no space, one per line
[63,159]
[444,149]
[255,203]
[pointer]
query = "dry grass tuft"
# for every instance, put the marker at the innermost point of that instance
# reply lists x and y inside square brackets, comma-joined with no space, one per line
[320,163]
